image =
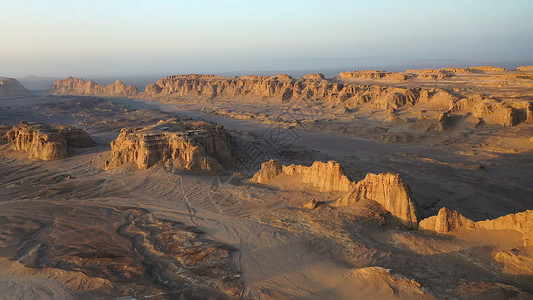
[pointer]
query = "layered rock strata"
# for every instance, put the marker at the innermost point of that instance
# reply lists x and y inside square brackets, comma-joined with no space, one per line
[10,87]
[189,145]
[47,142]
[386,188]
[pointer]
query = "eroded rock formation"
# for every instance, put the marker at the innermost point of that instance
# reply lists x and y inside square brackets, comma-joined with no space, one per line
[78,86]
[390,191]
[445,221]
[190,145]
[343,91]
[386,188]
[47,142]
[448,220]
[10,87]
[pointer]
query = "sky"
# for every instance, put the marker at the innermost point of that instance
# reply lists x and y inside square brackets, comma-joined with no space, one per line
[136,37]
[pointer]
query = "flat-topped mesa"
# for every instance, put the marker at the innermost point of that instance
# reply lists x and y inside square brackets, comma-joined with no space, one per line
[387,189]
[488,69]
[447,220]
[10,87]
[430,74]
[317,76]
[525,68]
[45,141]
[372,74]
[78,86]
[189,145]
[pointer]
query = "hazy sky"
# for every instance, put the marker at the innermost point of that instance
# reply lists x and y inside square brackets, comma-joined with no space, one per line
[117,37]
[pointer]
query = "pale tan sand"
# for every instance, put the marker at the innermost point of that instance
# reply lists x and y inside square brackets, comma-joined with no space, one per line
[54,213]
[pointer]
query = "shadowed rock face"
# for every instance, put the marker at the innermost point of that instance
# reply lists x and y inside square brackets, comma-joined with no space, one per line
[386,188]
[78,86]
[448,220]
[47,142]
[10,87]
[190,145]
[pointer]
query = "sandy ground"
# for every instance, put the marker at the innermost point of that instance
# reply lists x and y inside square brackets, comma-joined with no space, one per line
[72,230]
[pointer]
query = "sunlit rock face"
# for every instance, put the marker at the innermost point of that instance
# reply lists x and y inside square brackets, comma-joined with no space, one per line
[47,142]
[344,89]
[447,220]
[10,87]
[189,145]
[386,188]
[78,86]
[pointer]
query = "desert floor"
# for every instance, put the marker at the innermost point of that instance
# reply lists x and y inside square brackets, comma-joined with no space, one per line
[70,229]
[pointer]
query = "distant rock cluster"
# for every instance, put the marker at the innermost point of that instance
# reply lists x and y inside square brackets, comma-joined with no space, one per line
[342,90]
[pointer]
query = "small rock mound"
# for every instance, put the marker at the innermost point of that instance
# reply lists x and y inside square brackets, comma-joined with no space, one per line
[189,145]
[47,142]
[387,189]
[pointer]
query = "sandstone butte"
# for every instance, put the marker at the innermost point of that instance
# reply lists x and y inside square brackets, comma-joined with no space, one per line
[189,145]
[313,87]
[386,188]
[45,141]
[447,220]
[10,87]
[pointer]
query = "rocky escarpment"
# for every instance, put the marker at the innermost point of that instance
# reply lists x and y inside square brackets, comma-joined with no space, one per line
[190,145]
[78,86]
[10,87]
[342,91]
[447,220]
[47,142]
[279,88]
[386,188]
